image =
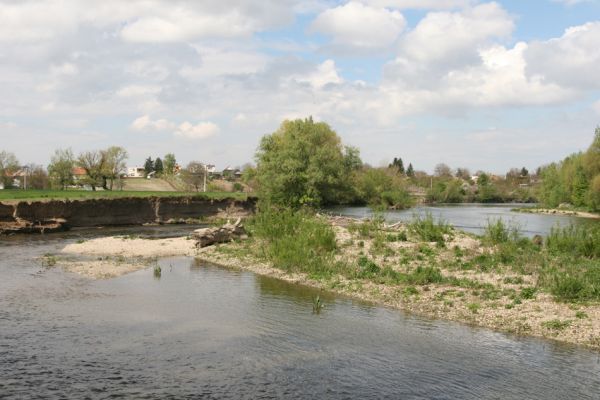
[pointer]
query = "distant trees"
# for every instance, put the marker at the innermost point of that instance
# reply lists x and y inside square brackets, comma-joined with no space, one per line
[169,164]
[442,170]
[158,166]
[398,164]
[8,166]
[103,167]
[37,177]
[575,180]
[60,168]
[114,164]
[93,163]
[410,171]
[148,166]
[193,175]
[463,173]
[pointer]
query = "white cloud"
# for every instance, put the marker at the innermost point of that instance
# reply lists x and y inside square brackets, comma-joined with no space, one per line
[356,25]
[596,107]
[186,129]
[420,4]
[201,130]
[145,123]
[138,90]
[453,37]
[321,76]
[219,62]
[573,60]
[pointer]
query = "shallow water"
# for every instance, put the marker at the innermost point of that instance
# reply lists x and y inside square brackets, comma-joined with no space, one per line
[202,331]
[473,218]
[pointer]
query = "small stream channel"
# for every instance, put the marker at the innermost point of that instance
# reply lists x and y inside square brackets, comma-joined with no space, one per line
[203,331]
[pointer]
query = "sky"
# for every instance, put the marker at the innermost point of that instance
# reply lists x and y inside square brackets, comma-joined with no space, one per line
[476,84]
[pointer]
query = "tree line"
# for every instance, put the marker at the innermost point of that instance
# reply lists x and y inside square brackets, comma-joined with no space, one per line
[575,180]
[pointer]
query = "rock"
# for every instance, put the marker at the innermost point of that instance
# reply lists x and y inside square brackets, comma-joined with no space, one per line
[226,233]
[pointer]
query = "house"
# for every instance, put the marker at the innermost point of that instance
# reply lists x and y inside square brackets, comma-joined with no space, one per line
[78,174]
[136,172]
[232,173]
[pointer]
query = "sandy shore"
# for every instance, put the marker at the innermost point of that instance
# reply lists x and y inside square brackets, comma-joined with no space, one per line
[114,256]
[556,211]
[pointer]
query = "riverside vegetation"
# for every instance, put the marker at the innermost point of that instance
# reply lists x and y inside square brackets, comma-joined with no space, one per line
[544,287]
[500,280]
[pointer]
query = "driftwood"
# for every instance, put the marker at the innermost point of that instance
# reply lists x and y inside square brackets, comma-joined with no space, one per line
[226,233]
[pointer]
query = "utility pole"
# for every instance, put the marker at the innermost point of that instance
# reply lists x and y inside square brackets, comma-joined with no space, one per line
[205,173]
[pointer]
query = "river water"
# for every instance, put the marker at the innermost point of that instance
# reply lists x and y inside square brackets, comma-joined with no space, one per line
[473,218]
[203,331]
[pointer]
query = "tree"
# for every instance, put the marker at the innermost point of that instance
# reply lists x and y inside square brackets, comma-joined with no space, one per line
[398,164]
[410,171]
[169,164]
[580,187]
[8,166]
[443,171]
[37,178]
[158,166]
[148,166]
[193,175]
[524,172]
[60,168]
[302,163]
[463,173]
[114,165]
[93,164]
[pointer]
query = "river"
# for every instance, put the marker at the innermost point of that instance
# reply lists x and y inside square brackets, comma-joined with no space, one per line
[203,331]
[473,218]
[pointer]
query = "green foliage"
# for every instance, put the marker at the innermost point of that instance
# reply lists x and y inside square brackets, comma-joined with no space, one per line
[8,165]
[303,163]
[574,180]
[497,232]
[60,168]
[148,166]
[157,271]
[428,229]
[576,240]
[169,163]
[295,240]
[158,166]
[556,324]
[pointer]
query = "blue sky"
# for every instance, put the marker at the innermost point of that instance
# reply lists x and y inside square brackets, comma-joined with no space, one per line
[477,84]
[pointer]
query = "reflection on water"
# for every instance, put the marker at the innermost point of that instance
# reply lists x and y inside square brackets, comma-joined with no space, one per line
[206,331]
[473,218]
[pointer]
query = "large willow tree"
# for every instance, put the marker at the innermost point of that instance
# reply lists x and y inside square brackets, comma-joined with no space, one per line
[304,163]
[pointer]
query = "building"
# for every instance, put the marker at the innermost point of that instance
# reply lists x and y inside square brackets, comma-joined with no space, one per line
[136,172]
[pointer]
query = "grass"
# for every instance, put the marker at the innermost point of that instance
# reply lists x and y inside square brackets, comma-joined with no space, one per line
[428,229]
[30,195]
[556,324]
[296,241]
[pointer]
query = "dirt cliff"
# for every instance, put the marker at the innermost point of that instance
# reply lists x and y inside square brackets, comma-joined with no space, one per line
[122,211]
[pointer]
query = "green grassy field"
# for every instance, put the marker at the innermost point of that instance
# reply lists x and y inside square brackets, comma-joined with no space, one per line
[29,195]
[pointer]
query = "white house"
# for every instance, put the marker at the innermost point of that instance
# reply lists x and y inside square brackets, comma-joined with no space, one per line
[136,172]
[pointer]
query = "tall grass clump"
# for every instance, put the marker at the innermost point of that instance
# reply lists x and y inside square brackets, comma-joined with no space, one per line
[295,240]
[498,232]
[428,229]
[575,240]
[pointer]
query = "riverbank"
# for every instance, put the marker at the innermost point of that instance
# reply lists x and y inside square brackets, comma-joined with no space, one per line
[40,216]
[557,211]
[453,281]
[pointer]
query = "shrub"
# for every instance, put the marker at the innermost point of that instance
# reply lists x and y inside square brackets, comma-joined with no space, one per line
[576,240]
[428,229]
[295,240]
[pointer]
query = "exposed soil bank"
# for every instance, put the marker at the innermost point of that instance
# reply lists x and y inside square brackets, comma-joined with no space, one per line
[120,211]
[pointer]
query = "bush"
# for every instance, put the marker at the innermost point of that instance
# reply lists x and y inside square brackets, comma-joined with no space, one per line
[497,232]
[295,240]
[428,229]
[576,240]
